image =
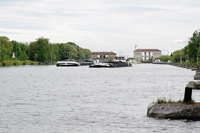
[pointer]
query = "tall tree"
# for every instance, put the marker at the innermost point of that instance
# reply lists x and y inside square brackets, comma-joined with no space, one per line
[87,52]
[62,53]
[193,46]
[43,44]
[33,46]
[6,48]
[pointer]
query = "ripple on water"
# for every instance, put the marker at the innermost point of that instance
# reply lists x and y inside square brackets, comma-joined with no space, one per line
[80,99]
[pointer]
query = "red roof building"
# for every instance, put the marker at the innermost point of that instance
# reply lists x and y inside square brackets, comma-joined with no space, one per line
[148,50]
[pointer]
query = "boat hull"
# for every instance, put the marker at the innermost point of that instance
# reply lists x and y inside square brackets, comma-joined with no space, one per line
[67,64]
[99,65]
[71,65]
[121,64]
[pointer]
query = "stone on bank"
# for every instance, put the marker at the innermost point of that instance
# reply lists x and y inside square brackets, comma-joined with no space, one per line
[174,111]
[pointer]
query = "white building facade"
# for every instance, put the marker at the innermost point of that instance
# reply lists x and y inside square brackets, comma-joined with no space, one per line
[146,54]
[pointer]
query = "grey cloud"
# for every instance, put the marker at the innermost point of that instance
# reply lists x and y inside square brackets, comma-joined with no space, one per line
[133,10]
[16,24]
[6,32]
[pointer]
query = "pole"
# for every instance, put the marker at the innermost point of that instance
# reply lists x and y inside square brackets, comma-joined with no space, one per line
[180,56]
[135,50]
[184,48]
[167,55]
[185,52]
[197,55]
[51,57]
[28,50]
[16,52]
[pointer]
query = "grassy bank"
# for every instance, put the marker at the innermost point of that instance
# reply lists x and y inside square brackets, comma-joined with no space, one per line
[19,62]
[191,63]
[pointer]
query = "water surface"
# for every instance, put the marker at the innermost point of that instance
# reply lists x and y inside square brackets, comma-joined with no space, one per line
[82,99]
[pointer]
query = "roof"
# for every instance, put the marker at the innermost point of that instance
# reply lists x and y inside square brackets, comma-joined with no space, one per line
[148,50]
[103,53]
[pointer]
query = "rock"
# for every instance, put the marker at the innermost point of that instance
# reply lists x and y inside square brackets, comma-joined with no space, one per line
[194,69]
[194,85]
[196,77]
[174,111]
[197,73]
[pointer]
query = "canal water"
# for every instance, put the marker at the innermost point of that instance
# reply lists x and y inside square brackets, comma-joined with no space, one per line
[90,100]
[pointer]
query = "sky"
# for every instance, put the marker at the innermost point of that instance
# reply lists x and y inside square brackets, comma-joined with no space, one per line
[103,25]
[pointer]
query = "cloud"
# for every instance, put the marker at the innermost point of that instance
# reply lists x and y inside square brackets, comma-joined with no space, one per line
[102,25]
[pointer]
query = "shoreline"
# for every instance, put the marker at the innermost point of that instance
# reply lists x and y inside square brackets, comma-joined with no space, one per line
[18,62]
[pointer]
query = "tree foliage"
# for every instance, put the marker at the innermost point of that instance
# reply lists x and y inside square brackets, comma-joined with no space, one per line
[6,48]
[41,50]
[193,45]
[191,51]
[164,58]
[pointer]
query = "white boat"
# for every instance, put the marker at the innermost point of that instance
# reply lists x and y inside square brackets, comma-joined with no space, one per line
[67,63]
[99,64]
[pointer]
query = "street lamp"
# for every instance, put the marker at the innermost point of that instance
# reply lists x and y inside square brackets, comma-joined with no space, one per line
[185,47]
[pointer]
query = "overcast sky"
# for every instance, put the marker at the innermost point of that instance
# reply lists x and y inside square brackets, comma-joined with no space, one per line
[102,25]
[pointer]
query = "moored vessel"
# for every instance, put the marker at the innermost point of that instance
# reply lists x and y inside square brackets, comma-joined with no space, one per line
[121,61]
[67,63]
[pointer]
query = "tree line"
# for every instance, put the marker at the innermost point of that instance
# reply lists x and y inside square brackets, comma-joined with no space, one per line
[41,50]
[189,52]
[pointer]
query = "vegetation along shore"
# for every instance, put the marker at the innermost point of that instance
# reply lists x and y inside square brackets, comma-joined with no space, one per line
[38,51]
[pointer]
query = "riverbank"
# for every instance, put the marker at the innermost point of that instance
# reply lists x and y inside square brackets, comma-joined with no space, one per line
[18,62]
[187,109]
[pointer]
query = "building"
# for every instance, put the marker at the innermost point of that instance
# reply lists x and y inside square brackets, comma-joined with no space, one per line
[146,54]
[102,55]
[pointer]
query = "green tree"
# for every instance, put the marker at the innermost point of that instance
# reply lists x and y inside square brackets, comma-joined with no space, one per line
[87,52]
[164,58]
[193,46]
[33,46]
[71,51]
[35,57]
[176,56]
[6,48]
[42,50]
[81,52]
[111,58]
[62,52]
[71,43]
[198,53]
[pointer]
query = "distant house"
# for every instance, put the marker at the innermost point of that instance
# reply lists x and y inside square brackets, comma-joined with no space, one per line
[102,55]
[147,54]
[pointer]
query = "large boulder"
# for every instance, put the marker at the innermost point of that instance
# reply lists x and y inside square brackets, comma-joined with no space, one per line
[174,111]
